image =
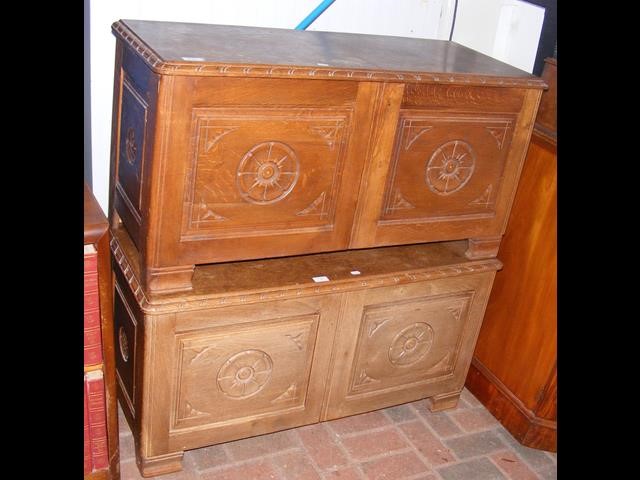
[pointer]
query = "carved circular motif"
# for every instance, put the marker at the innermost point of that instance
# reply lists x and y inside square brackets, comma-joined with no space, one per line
[450,167]
[130,144]
[245,373]
[411,344]
[124,344]
[267,173]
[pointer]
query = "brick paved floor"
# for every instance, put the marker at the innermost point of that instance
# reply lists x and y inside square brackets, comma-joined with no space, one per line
[403,442]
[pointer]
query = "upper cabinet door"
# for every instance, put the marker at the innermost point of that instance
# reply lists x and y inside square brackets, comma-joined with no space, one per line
[453,168]
[259,168]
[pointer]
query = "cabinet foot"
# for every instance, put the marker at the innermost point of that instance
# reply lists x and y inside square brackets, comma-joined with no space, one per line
[159,465]
[445,401]
[169,279]
[483,247]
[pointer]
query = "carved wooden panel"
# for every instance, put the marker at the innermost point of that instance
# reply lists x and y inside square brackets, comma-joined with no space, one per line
[131,148]
[407,342]
[273,169]
[401,343]
[232,373]
[446,166]
[125,332]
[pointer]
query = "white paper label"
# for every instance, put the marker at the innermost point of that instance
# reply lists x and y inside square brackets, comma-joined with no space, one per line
[319,279]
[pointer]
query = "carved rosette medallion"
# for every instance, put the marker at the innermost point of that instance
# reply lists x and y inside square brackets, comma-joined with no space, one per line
[245,374]
[131,147]
[450,167]
[267,173]
[411,344]
[124,344]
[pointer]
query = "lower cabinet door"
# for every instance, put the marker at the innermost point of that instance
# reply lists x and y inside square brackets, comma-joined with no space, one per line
[250,369]
[402,343]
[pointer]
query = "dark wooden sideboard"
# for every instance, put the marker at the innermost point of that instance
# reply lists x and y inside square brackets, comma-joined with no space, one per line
[301,233]
[518,382]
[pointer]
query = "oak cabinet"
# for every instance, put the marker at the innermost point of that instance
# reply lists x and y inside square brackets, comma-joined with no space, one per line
[225,154]
[258,346]
[301,234]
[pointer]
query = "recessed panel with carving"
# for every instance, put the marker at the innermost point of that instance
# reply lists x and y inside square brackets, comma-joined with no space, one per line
[125,332]
[446,166]
[235,372]
[408,342]
[264,170]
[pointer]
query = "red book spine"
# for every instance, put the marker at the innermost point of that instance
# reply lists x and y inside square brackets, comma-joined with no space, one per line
[87,437]
[97,419]
[92,332]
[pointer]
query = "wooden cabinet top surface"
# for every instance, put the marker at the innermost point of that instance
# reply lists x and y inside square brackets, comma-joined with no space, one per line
[225,50]
[224,284]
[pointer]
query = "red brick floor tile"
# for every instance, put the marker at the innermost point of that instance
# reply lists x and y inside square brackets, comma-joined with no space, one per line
[359,423]
[548,473]
[129,471]
[401,413]
[374,443]
[474,419]
[441,423]
[348,473]
[394,467]
[470,399]
[209,457]
[473,444]
[427,443]
[255,447]
[295,466]
[258,470]
[476,469]
[536,459]
[183,475]
[322,446]
[516,469]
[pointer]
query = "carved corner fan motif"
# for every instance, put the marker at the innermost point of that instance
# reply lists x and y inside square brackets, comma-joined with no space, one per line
[450,167]
[245,374]
[267,173]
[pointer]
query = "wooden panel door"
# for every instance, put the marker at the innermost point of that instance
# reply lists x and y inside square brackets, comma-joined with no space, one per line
[246,370]
[453,169]
[399,344]
[259,167]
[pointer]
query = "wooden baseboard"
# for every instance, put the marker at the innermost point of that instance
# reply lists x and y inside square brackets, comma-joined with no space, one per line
[522,423]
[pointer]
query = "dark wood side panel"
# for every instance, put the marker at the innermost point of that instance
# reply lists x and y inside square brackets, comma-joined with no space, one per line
[517,382]
[134,116]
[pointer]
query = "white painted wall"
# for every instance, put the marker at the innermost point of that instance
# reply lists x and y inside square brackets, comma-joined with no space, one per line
[494,27]
[508,30]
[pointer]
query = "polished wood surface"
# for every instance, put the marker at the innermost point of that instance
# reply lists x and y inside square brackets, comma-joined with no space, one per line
[189,48]
[517,382]
[95,226]
[220,153]
[96,232]
[254,347]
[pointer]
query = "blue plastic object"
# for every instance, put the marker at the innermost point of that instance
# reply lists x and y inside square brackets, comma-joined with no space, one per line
[314,14]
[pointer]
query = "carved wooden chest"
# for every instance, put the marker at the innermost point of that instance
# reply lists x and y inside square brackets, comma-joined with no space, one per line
[234,143]
[258,346]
